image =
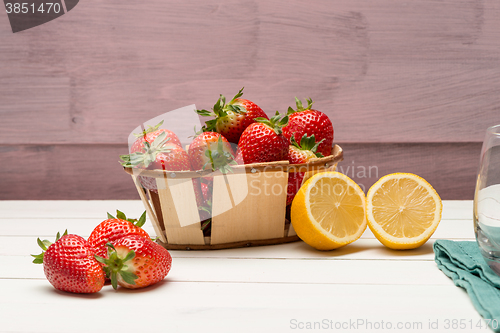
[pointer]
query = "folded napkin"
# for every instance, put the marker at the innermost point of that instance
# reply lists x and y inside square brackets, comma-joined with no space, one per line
[463,263]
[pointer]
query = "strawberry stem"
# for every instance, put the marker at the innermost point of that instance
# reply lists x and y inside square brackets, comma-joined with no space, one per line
[149,152]
[307,143]
[300,106]
[276,122]
[148,130]
[220,110]
[114,266]
[137,222]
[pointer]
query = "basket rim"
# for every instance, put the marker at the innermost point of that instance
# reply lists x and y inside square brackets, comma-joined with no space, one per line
[285,166]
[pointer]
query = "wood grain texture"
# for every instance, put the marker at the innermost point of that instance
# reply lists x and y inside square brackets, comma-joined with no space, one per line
[449,167]
[92,172]
[385,71]
[96,73]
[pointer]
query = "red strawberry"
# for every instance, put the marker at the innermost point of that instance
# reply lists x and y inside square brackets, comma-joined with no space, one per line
[298,154]
[310,122]
[210,150]
[136,262]
[150,134]
[205,201]
[69,264]
[159,154]
[114,228]
[232,118]
[206,188]
[263,141]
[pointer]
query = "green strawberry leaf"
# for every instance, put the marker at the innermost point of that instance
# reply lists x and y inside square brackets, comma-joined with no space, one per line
[141,221]
[44,244]
[120,215]
[298,103]
[209,125]
[128,277]
[236,108]
[149,152]
[148,130]
[205,113]
[206,225]
[300,106]
[307,143]
[238,95]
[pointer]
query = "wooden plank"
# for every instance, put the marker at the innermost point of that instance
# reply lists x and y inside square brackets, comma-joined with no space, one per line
[259,306]
[362,249]
[92,171]
[68,209]
[96,209]
[65,172]
[450,168]
[47,228]
[383,71]
[382,272]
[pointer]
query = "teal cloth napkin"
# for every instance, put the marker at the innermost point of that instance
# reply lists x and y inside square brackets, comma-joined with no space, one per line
[462,262]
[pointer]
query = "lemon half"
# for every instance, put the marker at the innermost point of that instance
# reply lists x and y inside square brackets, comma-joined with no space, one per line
[403,210]
[329,211]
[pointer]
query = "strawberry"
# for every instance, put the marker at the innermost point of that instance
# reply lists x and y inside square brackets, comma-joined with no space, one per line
[114,228]
[205,204]
[69,264]
[263,141]
[306,120]
[232,118]
[136,262]
[210,150]
[298,154]
[150,134]
[159,154]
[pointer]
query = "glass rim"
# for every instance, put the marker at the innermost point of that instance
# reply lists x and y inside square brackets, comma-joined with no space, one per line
[494,130]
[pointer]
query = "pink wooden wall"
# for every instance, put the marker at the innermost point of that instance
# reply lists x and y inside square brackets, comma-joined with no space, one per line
[409,85]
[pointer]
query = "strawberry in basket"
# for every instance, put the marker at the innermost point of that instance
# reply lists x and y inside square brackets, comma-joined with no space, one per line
[263,141]
[306,120]
[150,134]
[208,151]
[232,118]
[299,154]
[161,153]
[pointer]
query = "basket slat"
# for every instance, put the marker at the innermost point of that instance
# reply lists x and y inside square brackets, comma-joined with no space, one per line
[180,214]
[149,210]
[248,196]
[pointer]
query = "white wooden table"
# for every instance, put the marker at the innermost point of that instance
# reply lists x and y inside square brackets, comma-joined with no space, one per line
[362,287]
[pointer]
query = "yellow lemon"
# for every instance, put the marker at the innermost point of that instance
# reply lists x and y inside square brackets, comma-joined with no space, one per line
[329,211]
[403,210]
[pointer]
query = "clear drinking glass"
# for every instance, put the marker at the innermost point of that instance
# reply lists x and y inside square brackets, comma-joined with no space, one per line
[487,200]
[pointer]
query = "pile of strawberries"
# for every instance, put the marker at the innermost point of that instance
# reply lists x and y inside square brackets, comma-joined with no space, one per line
[118,250]
[240,132]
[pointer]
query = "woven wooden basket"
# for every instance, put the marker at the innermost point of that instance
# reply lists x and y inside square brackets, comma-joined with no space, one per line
[249,205]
